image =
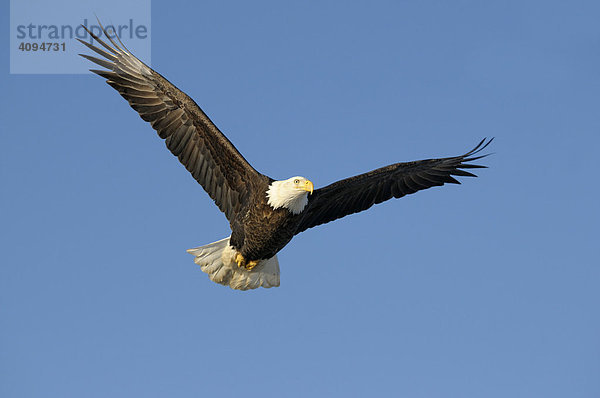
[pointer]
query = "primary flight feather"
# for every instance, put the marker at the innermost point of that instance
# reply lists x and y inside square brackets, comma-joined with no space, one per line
[264,214]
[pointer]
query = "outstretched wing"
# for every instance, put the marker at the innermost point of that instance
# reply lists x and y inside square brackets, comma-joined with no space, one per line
[188,133]
[358,193]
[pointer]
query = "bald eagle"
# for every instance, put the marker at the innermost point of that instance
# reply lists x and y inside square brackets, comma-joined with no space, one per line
[264,214]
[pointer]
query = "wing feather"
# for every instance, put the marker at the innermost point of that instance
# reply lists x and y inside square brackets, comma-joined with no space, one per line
[359,193]
[188,133]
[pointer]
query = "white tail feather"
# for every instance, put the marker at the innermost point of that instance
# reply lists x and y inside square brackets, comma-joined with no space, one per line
[217,260]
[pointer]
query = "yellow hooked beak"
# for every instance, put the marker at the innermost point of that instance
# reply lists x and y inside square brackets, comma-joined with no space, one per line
[308,186]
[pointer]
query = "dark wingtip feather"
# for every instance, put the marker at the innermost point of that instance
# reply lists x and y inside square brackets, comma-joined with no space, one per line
[102,42]
[111,55]
[469,156]
[108,36]
[474,158]
[101,62]
[472,166]
[479,147]
[107,74]
[476,149]
[452,180]
[463,173]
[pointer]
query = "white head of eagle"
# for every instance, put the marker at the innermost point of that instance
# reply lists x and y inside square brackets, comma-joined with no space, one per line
[291,194]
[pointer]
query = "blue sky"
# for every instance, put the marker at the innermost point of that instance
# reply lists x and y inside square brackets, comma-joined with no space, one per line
[486,289]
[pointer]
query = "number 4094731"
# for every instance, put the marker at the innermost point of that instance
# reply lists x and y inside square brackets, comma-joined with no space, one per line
[44,46]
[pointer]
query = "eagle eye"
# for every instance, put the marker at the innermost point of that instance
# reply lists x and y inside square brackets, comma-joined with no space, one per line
[296,181]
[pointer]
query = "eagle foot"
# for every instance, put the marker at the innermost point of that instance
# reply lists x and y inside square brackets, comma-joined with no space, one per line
[241,262]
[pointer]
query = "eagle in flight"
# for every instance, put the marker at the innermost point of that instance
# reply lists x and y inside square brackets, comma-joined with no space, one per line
[264,214]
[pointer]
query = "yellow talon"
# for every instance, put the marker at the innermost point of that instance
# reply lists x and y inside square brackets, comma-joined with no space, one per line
[240,260]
